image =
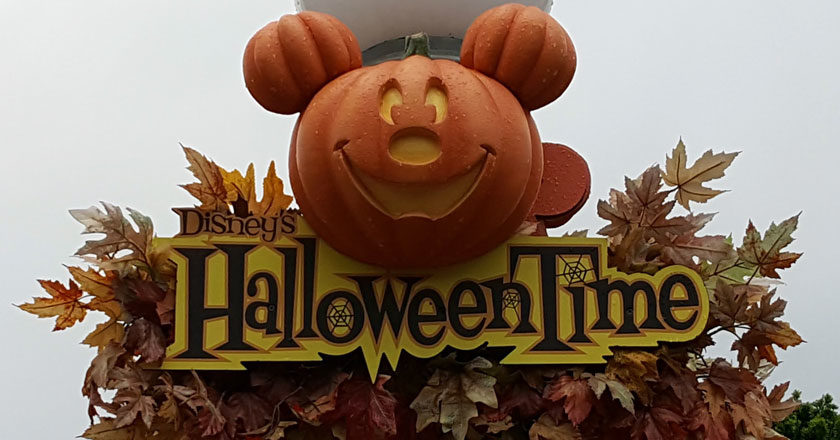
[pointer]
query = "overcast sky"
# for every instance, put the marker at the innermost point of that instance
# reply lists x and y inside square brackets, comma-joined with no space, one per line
[96,95]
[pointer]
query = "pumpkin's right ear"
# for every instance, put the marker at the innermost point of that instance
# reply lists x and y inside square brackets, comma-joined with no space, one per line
[288,61]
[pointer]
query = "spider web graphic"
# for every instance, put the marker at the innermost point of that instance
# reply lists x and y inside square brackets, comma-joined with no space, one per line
[575,271]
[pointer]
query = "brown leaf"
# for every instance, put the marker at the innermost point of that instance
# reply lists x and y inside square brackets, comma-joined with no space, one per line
[210,189]
[133,404]
[600,382]
[450,398]
[106,429]
[766,254]
[734,382]
[123,245]
[63,304]
[779,409]
[367,409]
[318,397]
[545,429]
[106,333]
[689,180]
[94,283]
[147,340]
[249,410]
[754,414]
[727,307]
[634,369]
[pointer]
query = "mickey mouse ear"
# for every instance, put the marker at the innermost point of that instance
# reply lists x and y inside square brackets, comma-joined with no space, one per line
[525,49]
[288,61]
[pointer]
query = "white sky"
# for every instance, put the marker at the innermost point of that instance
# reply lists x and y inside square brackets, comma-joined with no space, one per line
[96,95]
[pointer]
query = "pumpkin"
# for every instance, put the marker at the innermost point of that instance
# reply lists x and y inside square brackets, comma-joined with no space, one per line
[421,162]
[415,163]
[280,70]
[523,48]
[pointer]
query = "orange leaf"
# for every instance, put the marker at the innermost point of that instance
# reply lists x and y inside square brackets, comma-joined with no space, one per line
[63,304]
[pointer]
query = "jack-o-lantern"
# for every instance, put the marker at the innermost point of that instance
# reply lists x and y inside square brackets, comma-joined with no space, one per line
[414,163]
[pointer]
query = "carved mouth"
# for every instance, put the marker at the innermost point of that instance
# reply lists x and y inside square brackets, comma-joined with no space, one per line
[425,200]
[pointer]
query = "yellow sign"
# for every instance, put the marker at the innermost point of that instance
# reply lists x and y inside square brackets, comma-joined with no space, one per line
[267,289]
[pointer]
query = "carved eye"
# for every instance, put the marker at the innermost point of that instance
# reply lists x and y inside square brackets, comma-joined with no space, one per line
[391,98]
[436,96]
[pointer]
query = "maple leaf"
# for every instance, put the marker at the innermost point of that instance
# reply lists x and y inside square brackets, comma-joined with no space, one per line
[766,254]
[63,304]
[93,282]
[754,414]
[634,369]
[599,383]
[147,340]
[642,206]
[763,317]
[133,404]
[728,308]
[493,424]
[779,409]
[689,180]
[450,398]
[274,199]
[317,397]
[240,189]
[367,409]
[105,333]
[576,395]
[123,245]
[545,429]
[249,409]
[106,429]
[210,189]
[520,397]
[659,423]
[734,382]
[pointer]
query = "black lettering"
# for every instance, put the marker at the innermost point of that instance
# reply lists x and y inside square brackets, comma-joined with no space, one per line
[269,326]
[456,310]
[389,308]
[416,319]
[667,304]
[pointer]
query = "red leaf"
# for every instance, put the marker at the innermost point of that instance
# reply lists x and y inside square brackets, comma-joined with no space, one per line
[577,394]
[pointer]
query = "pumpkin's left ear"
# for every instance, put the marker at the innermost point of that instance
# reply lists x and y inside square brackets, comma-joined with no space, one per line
[288,61]
[525,49]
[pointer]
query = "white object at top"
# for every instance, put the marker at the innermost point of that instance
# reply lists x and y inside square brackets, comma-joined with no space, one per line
[376,21]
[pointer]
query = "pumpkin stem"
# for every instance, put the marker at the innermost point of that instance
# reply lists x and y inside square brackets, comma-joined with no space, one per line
[417,44]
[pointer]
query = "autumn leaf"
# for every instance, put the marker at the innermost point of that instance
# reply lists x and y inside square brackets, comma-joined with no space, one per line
[754,415]
[734,382]
[107,429]
[274,200]
[766,254]
[545,429]
[63,304]
[659,423]
[599,383]
[689,180]
[641,206]
[576,395]
[134,404]
[147,340]
[105,333]
[317,397]
[728,308]
[779,409]
[210,189]
[450,398]
[122,244]
[239,188]
[247,409]
[93,282]
[367,409]
[634,369]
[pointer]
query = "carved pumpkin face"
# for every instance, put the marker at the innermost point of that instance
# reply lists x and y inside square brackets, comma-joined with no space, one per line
[415,163]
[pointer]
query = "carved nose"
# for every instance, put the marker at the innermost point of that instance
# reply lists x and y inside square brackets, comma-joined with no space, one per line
[415,146]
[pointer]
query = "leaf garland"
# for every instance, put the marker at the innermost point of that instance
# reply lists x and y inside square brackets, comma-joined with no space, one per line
[669,392]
